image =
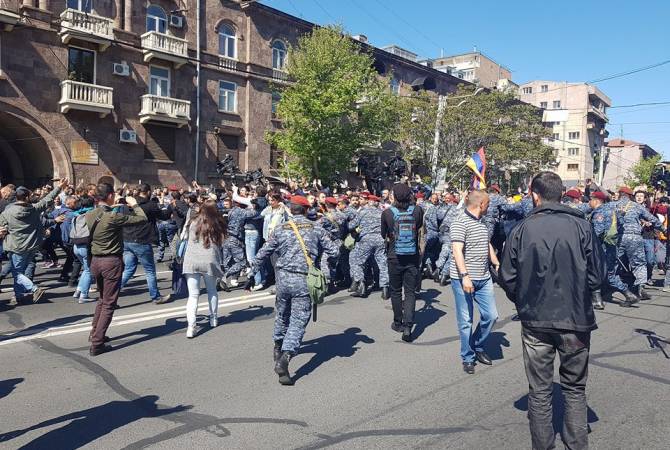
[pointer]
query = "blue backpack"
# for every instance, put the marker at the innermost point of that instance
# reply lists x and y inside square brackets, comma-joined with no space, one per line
[405,231]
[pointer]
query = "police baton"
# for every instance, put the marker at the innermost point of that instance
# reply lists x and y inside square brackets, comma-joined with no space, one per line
[314,310]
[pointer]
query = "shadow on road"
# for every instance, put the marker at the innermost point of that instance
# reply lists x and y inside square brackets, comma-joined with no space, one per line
[558,409]
[325,348]
[34,329]
[428,314]
[494,345]
[85,426]
[7,386]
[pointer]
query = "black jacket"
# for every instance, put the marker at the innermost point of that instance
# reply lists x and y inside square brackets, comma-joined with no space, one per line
[178,214]
[551,263]
[145,232]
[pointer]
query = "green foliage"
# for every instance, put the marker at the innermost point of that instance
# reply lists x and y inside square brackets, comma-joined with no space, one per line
[641,172]
[336,105]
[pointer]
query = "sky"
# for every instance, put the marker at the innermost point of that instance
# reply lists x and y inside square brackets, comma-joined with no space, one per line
[567,40]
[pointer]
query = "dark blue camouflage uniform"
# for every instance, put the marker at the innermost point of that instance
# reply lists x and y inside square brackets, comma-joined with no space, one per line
[292,304]
[602,221]
[335,223]
[233,246]
[370,243]
[431,223]
[631,244]
[445,239]
[492,216]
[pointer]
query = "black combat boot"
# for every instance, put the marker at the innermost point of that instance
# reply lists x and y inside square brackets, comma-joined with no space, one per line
[631,299]
[644,295]
[360,289]
[436,275]
[597,300]
[444,279]
[281,369]
[385,293]
[353,287]
[277,350]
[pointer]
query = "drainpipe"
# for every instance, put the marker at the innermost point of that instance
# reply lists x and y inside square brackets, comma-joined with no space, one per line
[118,17]
[128,15]
[197,90]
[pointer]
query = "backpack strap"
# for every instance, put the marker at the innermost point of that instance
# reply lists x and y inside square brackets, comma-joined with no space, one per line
[302,243]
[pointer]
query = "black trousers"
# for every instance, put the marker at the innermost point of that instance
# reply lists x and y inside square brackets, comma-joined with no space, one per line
[403,276]
[539,351]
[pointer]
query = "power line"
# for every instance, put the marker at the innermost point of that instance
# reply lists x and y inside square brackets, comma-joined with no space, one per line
[640,104]
[359,4]
[409,24]
[325,10]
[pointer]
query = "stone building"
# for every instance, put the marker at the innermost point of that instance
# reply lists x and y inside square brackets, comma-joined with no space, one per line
[620,156]
[93,89]
[474,67]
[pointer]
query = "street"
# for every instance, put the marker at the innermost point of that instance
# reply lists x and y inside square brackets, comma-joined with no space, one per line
[357,384]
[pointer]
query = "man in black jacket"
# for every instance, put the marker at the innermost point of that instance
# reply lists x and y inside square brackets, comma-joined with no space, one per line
[138,243]
[551,263]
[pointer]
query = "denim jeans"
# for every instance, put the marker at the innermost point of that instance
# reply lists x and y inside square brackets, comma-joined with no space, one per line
[252,241]
[19,263]
[193,282]
[144,253]
[85,280]
[166,233]
[539,351]
[483,296]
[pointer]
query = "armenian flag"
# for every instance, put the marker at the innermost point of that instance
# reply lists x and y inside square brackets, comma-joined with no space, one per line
[477,163]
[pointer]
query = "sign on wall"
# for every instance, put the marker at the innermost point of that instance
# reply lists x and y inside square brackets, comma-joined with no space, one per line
[84,152]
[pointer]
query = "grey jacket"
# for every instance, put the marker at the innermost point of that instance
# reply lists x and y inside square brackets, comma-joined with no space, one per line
[25,230]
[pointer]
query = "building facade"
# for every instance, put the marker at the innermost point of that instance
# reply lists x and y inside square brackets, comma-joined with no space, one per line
[107,90]
[474,67]
[620,156]
[577,116]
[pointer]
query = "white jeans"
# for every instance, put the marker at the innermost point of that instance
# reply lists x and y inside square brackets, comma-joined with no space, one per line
[193,282]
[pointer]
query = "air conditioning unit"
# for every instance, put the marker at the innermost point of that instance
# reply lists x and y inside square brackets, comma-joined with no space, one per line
[176,21]
[127,136]
[122,69]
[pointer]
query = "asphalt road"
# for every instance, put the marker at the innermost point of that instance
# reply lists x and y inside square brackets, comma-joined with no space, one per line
[358,385]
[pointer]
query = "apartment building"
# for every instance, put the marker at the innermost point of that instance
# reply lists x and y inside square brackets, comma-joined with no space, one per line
[474,67]
[106,90]
[577,116]
[620,156]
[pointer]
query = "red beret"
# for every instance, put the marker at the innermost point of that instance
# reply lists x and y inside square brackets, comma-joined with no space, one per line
[573,193]
[599,195]
[496,188]
[331,200]
[173,187]
[626,190]
[373,198]
[420,195]
[300,200]
[364,194]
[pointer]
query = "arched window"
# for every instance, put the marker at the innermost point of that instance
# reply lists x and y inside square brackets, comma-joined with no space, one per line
[227,41]
[278,55]
[156,19]
[80,5]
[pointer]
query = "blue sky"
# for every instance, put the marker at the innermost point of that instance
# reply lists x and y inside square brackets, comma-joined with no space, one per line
[564,40]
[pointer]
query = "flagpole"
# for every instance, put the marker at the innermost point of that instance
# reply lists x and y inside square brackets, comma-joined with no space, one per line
[456,174]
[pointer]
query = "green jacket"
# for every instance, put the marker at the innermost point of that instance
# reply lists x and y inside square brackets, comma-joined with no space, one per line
[24,224]
[107,238]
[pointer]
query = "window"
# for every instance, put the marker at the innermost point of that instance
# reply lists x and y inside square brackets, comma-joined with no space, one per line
[156,19]
[159,143]
[573,151]
[557,104]
[159,83]
[528,90]
[276,156]
[544,88]
[395,86]
[573,167]
[278,55]
[227,96]
[555,136]
[81,65]
[468,74]
[543,105]
[227,41]
[276,98]
[228,144]
[80,5]
[573,135]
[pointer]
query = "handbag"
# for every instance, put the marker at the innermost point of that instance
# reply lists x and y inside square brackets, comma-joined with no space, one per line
[317,285]
[183,242]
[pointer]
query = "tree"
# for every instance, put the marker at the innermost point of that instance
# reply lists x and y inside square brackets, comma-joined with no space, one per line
[336,104]
[641,172]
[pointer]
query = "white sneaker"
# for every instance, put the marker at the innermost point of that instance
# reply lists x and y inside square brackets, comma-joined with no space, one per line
[234,282]
[190,331]
[76,294]
[258,287]
[213,321]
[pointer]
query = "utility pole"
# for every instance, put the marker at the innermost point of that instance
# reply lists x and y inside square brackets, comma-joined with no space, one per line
[197,90]
[601,165]
[441,105]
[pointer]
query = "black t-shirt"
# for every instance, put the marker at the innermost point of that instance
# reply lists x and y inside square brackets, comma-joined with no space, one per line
[388,228]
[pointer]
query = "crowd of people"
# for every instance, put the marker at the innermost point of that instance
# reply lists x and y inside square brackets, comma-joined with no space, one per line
[276,234]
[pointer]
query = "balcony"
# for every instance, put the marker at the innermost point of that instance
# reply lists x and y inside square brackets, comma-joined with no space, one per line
[165,47]
[9,14]
[87,27]
[280,75]
[598,112]
[165,110]
[227,64]
[86,97]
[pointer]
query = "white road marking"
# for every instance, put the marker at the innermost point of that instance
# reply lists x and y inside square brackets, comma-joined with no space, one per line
[11,289]
[130,319]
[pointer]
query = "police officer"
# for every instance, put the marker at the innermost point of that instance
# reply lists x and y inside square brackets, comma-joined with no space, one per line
[431,223]
[573,199]
[445,239]
[602,219]
[492,218]
[334,222]
[629,217]
[233,246]
[293,304]
[368,221]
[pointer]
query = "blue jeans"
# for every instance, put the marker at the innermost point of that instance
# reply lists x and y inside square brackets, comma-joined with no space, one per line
[19,264]
[85,280]
[144,253]
[486,302]
[252,241]
[166,233]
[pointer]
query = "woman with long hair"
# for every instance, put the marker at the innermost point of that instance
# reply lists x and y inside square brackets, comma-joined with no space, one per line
[206,231]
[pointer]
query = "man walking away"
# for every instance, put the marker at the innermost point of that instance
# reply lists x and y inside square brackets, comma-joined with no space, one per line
[551,264]
[106,225]
[400,229]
